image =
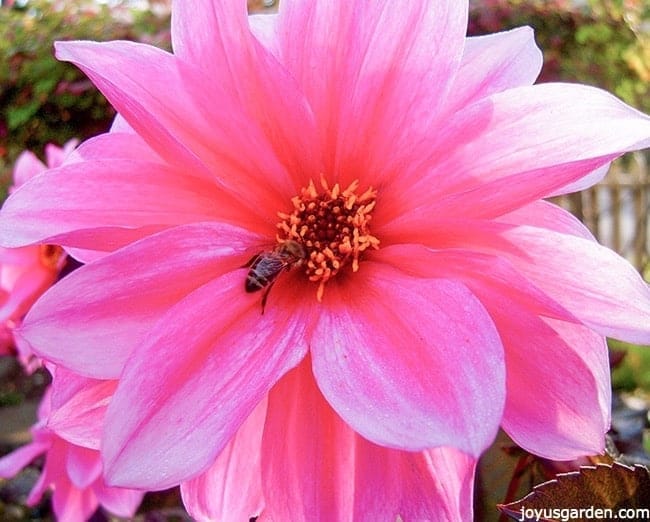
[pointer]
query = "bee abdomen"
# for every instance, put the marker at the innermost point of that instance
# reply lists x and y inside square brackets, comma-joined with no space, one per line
[255,282]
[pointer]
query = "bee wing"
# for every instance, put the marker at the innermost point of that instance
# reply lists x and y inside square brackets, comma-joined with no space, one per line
[271,265]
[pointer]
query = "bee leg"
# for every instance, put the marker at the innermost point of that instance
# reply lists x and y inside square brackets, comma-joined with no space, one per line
[266,295]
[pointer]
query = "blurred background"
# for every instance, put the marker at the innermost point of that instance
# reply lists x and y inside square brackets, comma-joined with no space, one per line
[605,43]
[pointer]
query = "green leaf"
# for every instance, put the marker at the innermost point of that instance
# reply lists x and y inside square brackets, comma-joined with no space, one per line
[17,116]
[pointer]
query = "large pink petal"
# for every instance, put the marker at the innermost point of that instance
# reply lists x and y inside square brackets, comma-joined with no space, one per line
[196,377]
[116,145]
[595,284]
[83,466]
[265,28]
[309,462]
[177,115]
[558,411]
[82,203]
[517,146]
[221,43]
[543,126]
[438,485]
[119,70]
[384,70]
[575,394]
[79,407]
[487,276]
[544,214]
[499,196]
[119,501]
[410,363]
[92,319]
[567,265]
[231,489]
[71,504]
[494,63]
[316,468]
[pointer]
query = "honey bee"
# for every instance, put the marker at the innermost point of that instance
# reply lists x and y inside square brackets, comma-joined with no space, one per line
[265,267]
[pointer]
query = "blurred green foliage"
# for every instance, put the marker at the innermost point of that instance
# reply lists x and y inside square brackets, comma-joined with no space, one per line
[599,42]
[43,100]
[634,371]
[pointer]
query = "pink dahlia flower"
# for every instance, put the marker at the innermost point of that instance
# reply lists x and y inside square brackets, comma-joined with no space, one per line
[26,272]
[383,174]
[73,472]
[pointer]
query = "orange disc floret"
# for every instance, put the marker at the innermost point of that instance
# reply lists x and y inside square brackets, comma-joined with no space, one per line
[333,226]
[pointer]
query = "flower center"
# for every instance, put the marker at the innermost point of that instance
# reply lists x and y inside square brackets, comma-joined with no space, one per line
[50,255]
[332,226]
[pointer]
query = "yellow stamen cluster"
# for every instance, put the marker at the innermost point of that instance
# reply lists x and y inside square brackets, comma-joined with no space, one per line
[332,226]
[50,255]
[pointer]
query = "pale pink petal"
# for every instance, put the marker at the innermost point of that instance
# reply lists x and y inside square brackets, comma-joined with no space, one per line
[591,281]
[585,182]
[222,44]
[264,27]
[487,276]
[523,143]
[121,125]
[231,488]
[71,504]
[568,266]
[544,125]
[384,70]
[177,116]
[215,357]
[26,167]
[66,385]
[118,501]
[117,196]
[311,470]
[91,320]
[116,145]
[150,111]
[55,156]
[438,485]
[494,63]
[79,418]
[68,149]
[496,197]
[29,362]
[571,423]
[11,464]
[544,214]
[405,361]
[87,256]
[83,466]
[316,468]
[563,413]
